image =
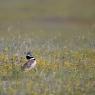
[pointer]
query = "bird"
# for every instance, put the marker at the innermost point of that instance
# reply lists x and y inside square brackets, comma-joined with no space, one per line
[30,64]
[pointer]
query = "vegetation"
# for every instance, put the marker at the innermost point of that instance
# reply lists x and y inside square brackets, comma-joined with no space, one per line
[73,75]
[61,36]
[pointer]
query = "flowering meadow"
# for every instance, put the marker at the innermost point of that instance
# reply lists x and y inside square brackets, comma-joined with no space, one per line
[61,36]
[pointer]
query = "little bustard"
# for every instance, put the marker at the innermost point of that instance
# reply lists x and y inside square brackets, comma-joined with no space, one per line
[30,64]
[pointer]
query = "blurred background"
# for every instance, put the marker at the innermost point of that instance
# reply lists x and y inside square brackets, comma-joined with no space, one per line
[47,24]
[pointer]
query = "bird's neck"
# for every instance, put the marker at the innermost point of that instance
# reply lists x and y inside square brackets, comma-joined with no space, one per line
[32,58]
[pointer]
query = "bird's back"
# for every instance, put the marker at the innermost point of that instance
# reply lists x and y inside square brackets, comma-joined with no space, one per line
[29,65]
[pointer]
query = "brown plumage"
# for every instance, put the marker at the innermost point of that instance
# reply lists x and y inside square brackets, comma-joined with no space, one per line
[30,64]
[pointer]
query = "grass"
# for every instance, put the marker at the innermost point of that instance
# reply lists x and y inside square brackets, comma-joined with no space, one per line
[74,75]
[60,69]
[61,36]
